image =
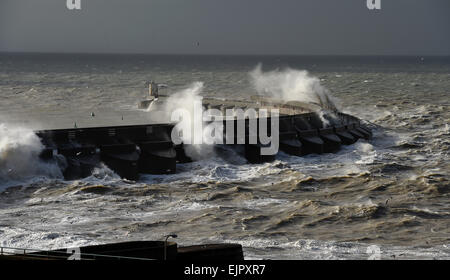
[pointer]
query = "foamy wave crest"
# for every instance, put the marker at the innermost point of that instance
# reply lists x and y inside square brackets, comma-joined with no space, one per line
[292,85]
[19,155]
[185,100]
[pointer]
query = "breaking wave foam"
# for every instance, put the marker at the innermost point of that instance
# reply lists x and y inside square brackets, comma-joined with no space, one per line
[292,85]
[19,156]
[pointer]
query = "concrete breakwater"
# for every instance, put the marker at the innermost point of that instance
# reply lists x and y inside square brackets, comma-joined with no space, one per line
[134,149]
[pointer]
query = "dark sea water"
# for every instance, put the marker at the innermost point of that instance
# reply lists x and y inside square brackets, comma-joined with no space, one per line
[392,192]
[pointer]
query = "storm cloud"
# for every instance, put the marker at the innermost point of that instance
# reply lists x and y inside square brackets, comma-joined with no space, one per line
[312,27]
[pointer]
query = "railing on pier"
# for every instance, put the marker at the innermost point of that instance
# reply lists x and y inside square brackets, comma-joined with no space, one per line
[71,254]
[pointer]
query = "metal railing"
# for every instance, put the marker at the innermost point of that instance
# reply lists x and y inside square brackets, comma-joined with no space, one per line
[59,255]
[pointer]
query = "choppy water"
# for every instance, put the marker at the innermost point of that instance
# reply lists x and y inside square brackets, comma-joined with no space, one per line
[392,192]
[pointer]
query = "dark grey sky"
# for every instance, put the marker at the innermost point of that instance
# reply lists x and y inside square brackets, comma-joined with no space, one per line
[342,27]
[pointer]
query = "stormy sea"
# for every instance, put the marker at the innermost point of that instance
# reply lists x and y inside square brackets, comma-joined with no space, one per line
[388,197]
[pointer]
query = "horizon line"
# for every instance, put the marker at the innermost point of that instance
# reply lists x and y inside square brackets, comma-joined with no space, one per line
[222,54]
